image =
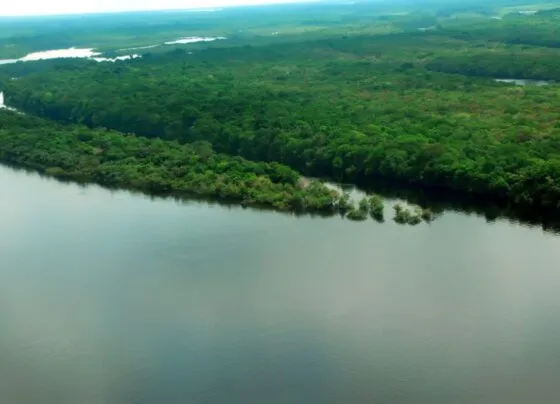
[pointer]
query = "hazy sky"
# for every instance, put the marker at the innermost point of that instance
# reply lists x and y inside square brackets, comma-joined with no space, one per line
[35,7]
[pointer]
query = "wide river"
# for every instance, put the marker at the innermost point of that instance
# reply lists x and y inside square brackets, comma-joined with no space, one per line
[111,297]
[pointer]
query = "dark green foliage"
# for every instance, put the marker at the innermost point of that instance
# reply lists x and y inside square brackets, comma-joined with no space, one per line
[357,215]
[515,28]
[363,205]
[427,215]
[344,204]
[506,63]
[401,215]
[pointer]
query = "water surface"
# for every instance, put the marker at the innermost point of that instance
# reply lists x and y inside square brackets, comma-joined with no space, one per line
[109,297]
[525,82]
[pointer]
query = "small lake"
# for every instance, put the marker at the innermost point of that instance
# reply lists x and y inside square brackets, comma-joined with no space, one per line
[194,39]
[524,82]
[111,297]
[70,53]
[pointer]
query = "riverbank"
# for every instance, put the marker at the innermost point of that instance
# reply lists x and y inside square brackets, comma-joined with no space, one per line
[155,167]
[108,158]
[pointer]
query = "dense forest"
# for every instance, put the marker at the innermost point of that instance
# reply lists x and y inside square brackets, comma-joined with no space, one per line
[415,106]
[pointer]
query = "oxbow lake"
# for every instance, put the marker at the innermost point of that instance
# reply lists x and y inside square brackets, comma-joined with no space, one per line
[112,297]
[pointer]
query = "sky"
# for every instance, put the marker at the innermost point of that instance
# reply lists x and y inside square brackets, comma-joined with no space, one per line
[45,7]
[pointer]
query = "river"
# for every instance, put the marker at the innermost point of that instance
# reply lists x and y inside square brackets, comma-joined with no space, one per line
[112,297]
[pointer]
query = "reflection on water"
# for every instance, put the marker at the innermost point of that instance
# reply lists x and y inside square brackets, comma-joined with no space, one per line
[440,201]
[108,297]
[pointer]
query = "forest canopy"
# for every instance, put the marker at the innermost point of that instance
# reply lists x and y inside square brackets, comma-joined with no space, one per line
[417,105]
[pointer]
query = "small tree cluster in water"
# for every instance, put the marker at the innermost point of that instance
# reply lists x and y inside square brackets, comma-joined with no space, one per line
[412,216]
[368,206]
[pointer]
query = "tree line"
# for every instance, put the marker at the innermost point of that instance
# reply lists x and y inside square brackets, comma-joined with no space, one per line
[78,153]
